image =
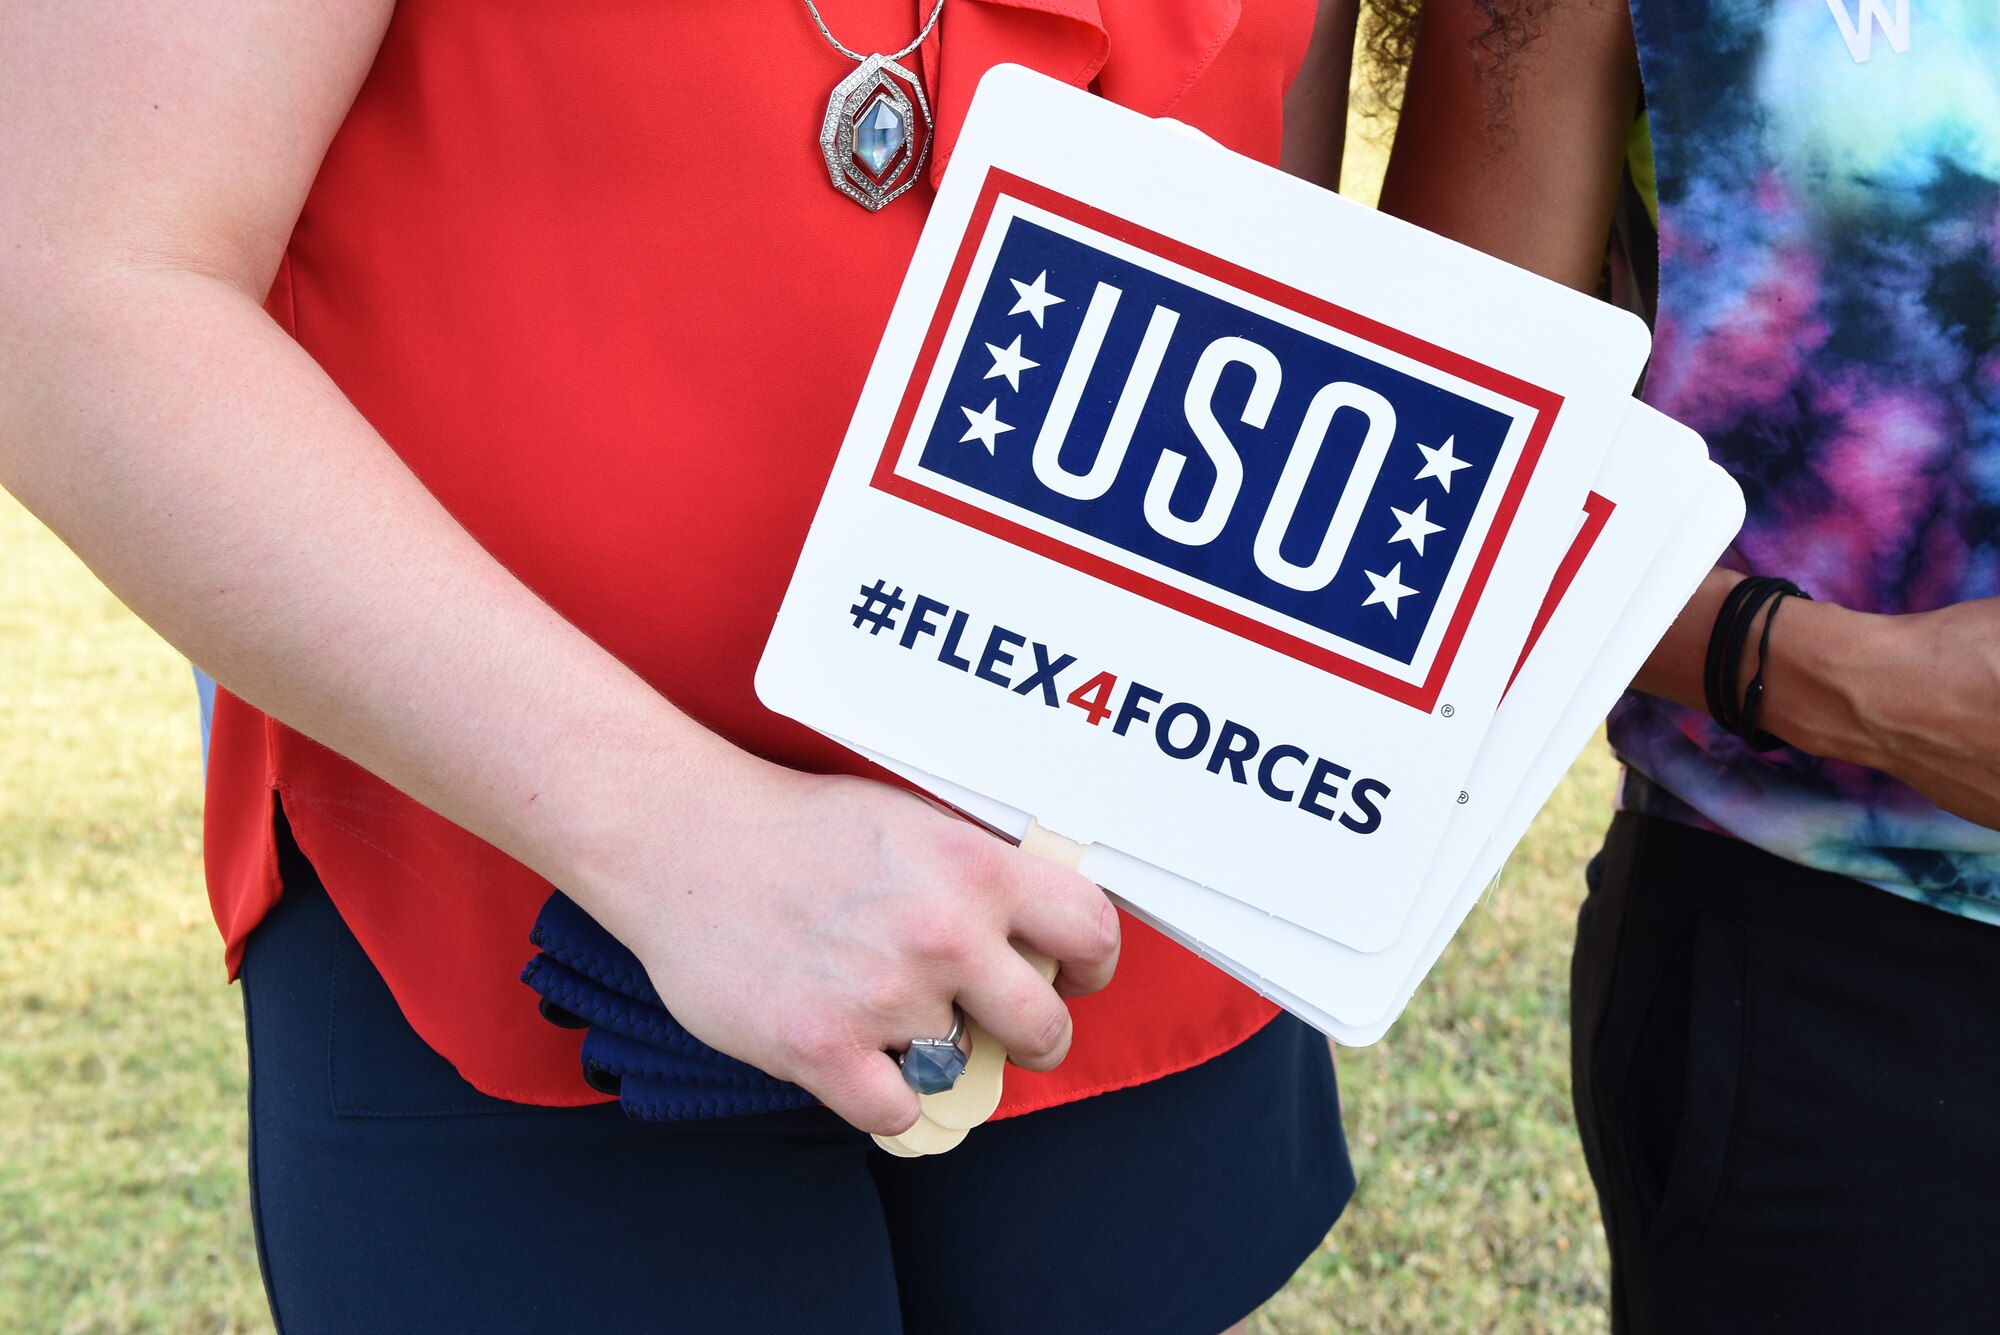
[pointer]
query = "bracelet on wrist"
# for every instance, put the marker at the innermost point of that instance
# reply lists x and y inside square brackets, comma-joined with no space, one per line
[1737,711]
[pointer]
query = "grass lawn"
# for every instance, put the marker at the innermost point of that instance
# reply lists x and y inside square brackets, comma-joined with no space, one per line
[123,1205]
[122,1198]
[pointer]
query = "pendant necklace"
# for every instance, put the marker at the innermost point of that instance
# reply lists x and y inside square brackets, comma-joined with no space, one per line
[874,147]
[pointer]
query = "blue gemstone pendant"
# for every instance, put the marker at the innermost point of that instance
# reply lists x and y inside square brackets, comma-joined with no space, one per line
[879,136]
[877,133]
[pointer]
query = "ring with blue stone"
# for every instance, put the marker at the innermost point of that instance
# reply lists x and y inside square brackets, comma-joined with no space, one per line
[933,1065]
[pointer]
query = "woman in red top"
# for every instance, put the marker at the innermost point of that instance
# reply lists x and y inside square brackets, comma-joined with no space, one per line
[492,506]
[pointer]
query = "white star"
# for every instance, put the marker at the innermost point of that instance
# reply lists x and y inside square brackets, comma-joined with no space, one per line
[1413,526]
[984,426]
[1035,297]
[1389,589]
[1440,464]
[1009,362]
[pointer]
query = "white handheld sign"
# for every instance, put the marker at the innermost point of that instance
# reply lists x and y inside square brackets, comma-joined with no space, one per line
[1195,511]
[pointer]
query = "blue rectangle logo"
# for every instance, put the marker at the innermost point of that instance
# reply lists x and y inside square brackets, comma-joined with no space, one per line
[1248,452]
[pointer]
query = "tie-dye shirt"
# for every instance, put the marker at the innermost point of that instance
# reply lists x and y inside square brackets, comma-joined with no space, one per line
[1829,319]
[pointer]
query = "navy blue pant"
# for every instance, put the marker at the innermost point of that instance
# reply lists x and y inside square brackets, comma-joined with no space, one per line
[391,1196]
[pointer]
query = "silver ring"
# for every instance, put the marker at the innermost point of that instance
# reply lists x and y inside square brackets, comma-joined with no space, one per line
[933,1065]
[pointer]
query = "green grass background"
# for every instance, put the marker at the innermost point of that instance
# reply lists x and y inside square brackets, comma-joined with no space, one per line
[123,1204]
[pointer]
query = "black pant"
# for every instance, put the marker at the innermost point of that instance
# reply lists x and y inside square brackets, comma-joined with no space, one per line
[1788,1087]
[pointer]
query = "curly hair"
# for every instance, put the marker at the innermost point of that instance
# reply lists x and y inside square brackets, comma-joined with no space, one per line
[1389,36]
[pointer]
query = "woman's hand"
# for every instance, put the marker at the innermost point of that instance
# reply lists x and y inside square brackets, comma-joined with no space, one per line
[815,923]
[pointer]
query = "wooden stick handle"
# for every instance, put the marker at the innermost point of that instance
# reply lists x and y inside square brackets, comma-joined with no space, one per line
[948,1116]
[1052,847]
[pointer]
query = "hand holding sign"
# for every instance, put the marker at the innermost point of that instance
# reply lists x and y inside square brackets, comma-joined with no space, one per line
[864,914]
[1204,516]
[947,1116]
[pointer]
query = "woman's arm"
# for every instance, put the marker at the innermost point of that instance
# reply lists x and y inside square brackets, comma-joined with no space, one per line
[155,156]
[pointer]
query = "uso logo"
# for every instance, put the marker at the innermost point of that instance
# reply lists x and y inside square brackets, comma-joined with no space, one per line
[1240,451]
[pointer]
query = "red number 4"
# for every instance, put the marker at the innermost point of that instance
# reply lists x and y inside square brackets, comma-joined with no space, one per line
[1094,697]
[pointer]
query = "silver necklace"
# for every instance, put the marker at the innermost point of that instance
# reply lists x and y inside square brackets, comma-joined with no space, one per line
[874,147]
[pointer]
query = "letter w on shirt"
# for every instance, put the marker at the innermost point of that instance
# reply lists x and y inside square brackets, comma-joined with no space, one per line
[1859,31]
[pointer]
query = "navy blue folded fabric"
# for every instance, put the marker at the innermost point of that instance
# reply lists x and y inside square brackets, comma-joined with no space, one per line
[635,1048]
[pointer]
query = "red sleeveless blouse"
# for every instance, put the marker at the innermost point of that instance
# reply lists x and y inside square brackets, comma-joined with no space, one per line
[581,266]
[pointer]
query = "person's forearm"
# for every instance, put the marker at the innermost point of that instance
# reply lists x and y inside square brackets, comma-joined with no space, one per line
[219,483]
[1823,657]
[1675,669]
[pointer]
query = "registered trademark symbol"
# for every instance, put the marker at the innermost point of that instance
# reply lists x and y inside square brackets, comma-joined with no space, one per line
[1447,711]
[1463,797]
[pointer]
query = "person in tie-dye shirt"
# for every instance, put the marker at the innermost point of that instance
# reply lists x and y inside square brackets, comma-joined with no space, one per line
[1787,1080]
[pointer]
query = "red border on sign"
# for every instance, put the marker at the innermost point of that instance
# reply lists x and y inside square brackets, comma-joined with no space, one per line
[1596,514]
[1421,695]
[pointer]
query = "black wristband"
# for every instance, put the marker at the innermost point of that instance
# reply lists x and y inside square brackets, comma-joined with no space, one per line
[1753,694]
[1718,680]
[1734,712]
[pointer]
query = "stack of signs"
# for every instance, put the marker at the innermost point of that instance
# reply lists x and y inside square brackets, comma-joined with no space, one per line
[1280,553]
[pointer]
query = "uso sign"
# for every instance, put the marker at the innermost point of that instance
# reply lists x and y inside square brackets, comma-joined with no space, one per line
[1245,453]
